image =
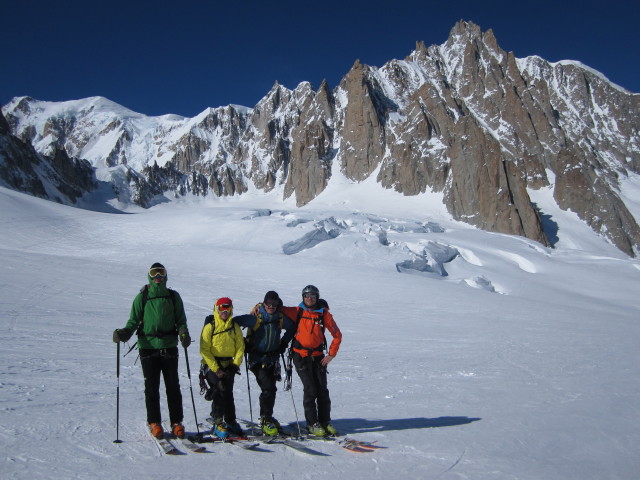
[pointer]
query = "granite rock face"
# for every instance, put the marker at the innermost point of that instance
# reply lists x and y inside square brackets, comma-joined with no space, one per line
[56,177]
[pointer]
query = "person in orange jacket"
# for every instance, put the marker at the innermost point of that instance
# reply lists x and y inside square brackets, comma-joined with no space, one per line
[312,317]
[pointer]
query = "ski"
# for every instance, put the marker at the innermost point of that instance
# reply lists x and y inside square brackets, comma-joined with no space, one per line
[188,443]
[349,443]
[285,438]
[352,442]
[163,444]
[357,445]
[300,447]
[238,441]
[355,448]
[166,446]
[191,445]
[242,442]
[294,441]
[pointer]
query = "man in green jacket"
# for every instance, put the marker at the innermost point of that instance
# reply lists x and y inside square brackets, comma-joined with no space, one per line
[157,316]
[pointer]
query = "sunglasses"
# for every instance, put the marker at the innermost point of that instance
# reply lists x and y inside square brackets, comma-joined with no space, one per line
[310,295]
[225,307]
[157,272]
[271,304]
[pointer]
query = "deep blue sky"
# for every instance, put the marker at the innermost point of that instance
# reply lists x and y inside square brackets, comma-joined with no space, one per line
[157,57]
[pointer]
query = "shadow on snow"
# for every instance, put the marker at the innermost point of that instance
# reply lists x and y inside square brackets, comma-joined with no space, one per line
[359,425]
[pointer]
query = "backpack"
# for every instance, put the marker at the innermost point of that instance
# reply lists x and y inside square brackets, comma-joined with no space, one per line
[145,297]
[248,339]
[323,346]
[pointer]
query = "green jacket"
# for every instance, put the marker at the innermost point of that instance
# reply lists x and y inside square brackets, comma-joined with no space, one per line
[158,325]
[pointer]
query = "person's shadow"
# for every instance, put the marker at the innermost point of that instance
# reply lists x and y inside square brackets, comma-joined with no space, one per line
[360,425]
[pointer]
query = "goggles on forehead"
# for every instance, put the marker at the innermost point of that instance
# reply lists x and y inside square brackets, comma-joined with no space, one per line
[158,272]
[225,307]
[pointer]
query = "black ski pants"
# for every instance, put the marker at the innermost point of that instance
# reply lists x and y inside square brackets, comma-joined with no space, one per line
[154,363]
[266,378]
[316,400]
[223,404]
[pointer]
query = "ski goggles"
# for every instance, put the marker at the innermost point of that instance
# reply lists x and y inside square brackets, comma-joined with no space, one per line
[310,295]
[225,307]
[158,272]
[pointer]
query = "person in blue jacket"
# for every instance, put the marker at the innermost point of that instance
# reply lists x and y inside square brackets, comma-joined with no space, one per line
[269,332]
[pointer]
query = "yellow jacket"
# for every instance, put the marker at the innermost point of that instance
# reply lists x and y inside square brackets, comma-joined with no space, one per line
[222,345]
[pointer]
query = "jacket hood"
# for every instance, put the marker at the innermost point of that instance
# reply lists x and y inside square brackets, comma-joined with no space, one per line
[157,288]
[218,318]
[316,309]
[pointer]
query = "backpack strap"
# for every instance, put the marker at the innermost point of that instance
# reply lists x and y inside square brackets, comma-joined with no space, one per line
[279,319]
[301,313]
[210,319]
[145,296]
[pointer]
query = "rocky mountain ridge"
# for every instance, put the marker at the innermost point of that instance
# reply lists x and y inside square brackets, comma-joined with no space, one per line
[464,118]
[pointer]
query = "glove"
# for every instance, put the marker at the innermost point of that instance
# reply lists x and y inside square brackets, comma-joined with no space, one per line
[255,310]
[283,347]
[121,335]
[185,338]
[232,370]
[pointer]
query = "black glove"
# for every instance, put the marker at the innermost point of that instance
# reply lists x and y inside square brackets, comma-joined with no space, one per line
[185,339]
[283,347]
[121,335]
[322,303]
[232,370]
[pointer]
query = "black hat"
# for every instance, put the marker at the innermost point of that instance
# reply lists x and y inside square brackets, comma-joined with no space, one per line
[271,295]
[157,265]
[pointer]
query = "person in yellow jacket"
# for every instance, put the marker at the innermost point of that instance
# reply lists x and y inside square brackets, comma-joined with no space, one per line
[222,350]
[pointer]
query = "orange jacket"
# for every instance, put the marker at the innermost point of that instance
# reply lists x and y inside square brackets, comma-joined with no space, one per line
[309,337]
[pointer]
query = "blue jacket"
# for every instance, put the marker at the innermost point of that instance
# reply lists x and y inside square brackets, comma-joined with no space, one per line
[266,335]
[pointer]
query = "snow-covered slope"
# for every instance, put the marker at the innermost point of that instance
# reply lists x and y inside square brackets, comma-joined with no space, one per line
[520,362]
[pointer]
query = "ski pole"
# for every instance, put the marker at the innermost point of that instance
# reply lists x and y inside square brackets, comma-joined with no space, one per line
[288,368]
[117,440]
[193,402]
[246,366]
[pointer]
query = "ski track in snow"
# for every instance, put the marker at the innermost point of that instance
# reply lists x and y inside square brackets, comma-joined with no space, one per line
[457,380]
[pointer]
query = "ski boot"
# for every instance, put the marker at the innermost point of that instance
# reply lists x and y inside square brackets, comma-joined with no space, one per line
[330,429]
[269,426]
[156,430]
[234,428]
[177,429]
[220,429]
[317,430]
